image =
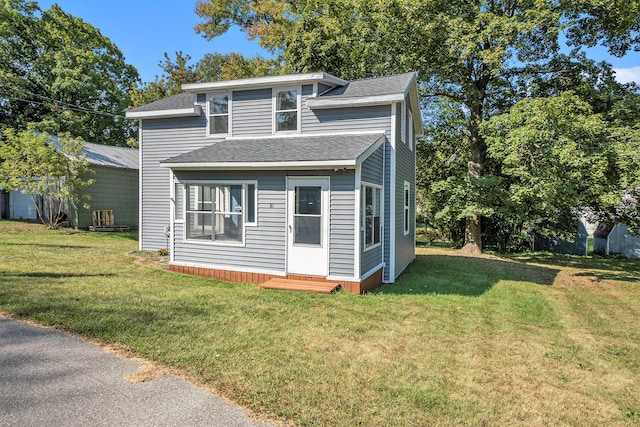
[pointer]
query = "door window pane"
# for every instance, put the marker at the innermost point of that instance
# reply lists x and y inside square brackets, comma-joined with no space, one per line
[308,229]
[308,215]
[308,200]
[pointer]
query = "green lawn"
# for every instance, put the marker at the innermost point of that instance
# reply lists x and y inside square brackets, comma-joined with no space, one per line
[530,340]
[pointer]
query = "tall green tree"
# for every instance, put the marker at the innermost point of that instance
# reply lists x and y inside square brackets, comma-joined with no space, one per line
[33,164]
[463,50]
[63,74]
[480,56]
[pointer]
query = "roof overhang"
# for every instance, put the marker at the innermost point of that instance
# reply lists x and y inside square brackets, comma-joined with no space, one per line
[352,163]
[304,165]
[194,111]
[263,82]
[345,102]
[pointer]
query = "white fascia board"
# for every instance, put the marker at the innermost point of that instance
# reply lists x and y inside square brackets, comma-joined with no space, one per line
[338,102]
[194,111]
[302,165]
[267,81]
[369,151]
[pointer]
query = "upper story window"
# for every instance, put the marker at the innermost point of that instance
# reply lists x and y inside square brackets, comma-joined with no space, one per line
[411,134]
[286,110]
[219,114]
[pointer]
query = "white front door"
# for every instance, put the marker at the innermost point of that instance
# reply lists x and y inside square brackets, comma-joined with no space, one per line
[308,226]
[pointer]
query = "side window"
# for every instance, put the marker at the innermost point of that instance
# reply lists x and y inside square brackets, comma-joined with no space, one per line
[411,134]
[218,114]
[286,110]
[371,208]
[403,124]
[251,203]
[179,202]
[407,198]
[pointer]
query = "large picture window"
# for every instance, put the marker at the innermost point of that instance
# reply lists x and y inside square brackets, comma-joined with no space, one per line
[286,110]
[215,212]
[371,207]
[218,114]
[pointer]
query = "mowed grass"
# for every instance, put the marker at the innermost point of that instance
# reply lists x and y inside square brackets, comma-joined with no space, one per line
[532,340]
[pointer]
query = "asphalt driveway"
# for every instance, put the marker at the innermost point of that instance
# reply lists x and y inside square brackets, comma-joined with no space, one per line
[51,379]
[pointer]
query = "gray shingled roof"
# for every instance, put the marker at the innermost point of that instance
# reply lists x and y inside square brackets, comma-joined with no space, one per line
[372,87]
[286,149]
[177,102]
[107,155]
[379,86]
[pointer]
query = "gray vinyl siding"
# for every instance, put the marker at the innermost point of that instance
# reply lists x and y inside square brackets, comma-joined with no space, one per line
[162,139]
[387,227]
[114,189]
[405,171]
[252,113]
[372,167]
[372,173]
[265,244]
[342,220]
[340,120]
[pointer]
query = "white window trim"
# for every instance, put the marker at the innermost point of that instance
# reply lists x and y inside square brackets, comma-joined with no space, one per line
[363,215]
[174,199]
[255,203]
[406,212]
[244,184]
[229,115]
[274,123]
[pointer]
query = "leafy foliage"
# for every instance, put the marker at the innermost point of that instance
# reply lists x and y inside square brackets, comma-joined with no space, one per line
[33,164]
[476,60]
[62,73]
[211,67]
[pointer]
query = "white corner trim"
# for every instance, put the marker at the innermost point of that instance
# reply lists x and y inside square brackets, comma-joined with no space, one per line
[194,111]
[266,81]
[392,197]
[329,102]
[140,176]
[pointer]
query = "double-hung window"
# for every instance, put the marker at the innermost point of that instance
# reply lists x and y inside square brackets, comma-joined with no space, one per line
[411,134]
[218,114]
[286,110]
[407,199]
[371,207]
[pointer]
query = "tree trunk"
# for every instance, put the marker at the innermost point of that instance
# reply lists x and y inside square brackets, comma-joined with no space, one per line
[473,228]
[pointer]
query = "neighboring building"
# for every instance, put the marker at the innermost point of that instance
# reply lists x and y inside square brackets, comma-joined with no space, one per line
[115,188]
[115,185]
[283,176]
[578,245]
[610,240]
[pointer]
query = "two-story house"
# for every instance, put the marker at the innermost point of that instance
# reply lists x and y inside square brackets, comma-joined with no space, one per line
[303,175]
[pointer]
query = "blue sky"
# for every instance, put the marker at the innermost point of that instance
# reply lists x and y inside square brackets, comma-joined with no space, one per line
[144,29]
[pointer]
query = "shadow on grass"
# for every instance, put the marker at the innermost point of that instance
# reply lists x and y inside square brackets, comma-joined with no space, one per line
[598,275]
[50,246]
[466,276]
[593,262]
[38,274]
